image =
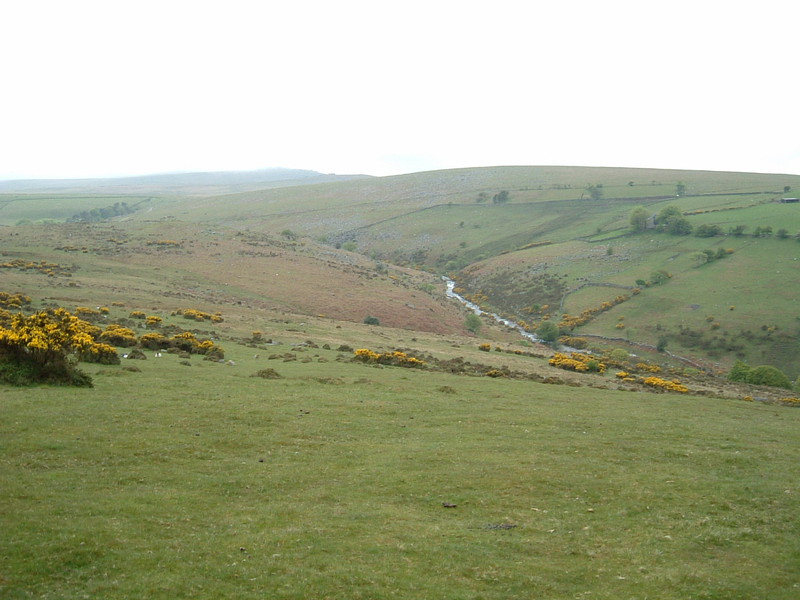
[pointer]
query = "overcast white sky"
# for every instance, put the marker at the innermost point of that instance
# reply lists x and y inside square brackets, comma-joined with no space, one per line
[100,88]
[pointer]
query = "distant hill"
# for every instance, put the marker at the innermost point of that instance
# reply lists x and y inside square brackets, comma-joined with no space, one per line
[190,184]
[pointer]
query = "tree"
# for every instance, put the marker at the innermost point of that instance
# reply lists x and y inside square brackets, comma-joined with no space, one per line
[473,323]
[671,220]
[372,320]
[595,191]
[667,212]
[638,219]
[680,189]
[501,197]
[678,225]
[548,331]
[738,230]
[706,230]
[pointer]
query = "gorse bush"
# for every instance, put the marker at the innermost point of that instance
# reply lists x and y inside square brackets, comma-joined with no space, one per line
[199,315]
[45,346]
[188,342]
[666,385]
[582,363]
[14,301]
[117,335]
[396,358]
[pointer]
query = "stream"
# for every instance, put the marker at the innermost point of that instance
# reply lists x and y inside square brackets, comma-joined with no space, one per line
[450,293]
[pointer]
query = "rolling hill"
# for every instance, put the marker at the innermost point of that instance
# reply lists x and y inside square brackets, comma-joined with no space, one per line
[529,243]
[553,244]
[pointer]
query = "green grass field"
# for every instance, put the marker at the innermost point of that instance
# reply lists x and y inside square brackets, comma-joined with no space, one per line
[201,481]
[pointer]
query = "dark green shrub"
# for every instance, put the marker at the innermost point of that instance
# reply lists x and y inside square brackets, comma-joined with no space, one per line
[768,375]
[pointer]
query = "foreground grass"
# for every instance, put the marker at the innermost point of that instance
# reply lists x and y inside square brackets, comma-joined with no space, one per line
[204,482]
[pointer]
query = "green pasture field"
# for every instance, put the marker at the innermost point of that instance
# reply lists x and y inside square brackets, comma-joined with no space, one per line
[772,214]
[202,481]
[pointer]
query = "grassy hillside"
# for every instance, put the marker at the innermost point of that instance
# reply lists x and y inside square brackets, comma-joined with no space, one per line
[551,230]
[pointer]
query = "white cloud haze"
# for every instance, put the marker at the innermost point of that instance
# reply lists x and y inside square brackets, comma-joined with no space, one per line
[97,88]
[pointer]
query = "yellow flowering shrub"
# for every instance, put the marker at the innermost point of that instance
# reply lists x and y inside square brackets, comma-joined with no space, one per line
[13,301]
[117,335]
[576,361]
[396,358]
[199,315]
[665,384]
[187,342]
[153,341]
[100,353]
[38,348]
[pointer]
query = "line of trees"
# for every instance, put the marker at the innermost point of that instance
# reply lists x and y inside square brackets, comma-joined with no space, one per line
[672,221]
[102,214]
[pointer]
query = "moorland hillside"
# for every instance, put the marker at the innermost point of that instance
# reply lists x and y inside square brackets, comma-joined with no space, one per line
[558,243]
[532,244]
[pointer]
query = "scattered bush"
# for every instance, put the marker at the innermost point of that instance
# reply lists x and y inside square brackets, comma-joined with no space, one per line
[267,374]
[619,355]
[372,320]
